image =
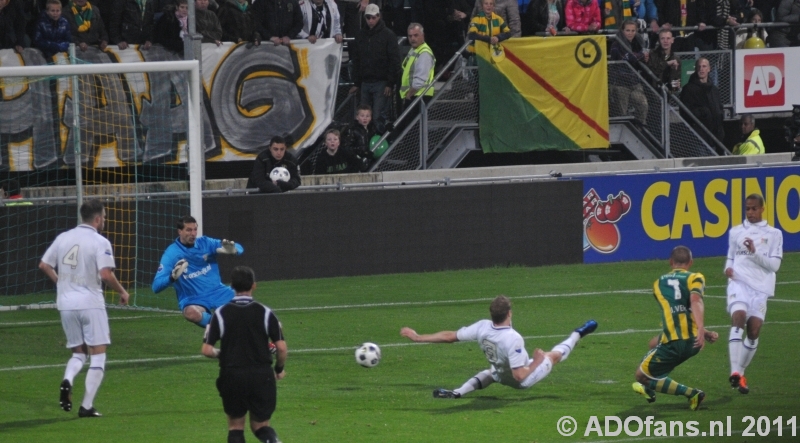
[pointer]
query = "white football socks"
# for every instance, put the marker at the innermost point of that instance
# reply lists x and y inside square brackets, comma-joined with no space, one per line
[479,381]
[94,377]
[566,346]
[748,351]
[735,349]
[74,366]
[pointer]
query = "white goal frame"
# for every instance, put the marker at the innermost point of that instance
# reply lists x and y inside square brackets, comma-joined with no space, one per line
[193,136]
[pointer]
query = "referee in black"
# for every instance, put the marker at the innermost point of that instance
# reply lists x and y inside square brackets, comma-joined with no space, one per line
[246,379]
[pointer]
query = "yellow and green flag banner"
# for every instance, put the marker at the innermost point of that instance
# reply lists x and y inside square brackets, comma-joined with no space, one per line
[543,93]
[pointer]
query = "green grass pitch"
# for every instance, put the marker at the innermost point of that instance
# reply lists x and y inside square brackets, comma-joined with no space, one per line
[158,388]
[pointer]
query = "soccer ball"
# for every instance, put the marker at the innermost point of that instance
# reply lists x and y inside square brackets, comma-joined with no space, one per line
[280,174]
[368,355]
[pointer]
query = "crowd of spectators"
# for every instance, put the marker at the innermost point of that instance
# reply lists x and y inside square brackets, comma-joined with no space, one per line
[442,27]
[39,23]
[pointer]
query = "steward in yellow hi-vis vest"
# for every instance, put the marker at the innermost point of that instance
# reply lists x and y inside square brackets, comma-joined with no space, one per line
[414,68]
[679,295]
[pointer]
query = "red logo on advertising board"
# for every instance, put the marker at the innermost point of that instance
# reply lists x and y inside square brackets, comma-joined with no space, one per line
[764,83]
[600,217]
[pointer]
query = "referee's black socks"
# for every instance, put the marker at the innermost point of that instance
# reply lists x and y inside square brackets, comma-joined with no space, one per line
[236,436]
[266,435]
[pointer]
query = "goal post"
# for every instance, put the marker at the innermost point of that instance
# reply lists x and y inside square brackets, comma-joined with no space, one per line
[144,196]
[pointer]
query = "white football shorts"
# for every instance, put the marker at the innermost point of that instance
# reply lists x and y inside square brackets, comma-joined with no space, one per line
[744,298]
[88,326]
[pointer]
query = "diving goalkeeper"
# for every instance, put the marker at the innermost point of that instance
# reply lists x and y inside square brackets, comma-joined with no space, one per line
[190,265]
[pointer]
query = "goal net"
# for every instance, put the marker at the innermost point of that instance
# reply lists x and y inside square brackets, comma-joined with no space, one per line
[128,134]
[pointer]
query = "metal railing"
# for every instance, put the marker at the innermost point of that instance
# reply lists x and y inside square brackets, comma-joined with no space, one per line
[454,107]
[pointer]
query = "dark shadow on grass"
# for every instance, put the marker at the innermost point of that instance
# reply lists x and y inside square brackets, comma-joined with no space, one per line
[166,363]
[669,406]
[485,403]
[28,424]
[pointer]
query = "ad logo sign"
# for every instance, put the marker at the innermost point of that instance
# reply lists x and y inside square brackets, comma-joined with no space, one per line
[764,83]
[600,217]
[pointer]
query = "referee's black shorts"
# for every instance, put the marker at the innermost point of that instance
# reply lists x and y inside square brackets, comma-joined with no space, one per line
[248,389]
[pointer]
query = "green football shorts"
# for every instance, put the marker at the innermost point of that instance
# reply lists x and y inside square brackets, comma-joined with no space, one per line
[665,357]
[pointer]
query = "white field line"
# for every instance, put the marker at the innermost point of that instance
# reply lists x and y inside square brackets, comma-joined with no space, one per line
[415,303]
[390,304]
[350,348]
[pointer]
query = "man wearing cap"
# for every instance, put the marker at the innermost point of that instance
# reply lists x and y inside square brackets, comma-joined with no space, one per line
[376,64]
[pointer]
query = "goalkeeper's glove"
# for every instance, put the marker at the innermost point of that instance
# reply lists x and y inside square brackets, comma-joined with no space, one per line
[228,247]
[179,269]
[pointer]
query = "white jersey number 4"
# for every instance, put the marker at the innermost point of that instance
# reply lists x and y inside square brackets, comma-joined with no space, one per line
[71,257]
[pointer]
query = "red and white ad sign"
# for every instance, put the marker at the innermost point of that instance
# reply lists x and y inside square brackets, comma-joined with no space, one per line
[767,80]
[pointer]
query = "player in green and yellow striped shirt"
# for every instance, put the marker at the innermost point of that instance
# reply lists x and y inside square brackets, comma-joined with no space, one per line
[679,295]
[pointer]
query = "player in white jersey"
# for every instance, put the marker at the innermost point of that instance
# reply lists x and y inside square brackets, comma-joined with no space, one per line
[755,251]
[504,349]
[83,259]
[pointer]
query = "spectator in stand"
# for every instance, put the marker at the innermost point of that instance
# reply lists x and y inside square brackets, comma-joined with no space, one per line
[352,14]
[360,134]
[132,23]
[334,160]
[488,27]
[206,23]
[376,65]
[583,15]
[789,12]
[664,64]
[278,21]
[273,157]
[672,14]
[615,12]
[320,20]
[172,26]
[646,11]
[86,25]
[435,16]
[459,20]
[765,6]
[742,34]
[52,34]
[751,139]
[721,14]
[626,87]
[702,98]
[509,10]
[13,192]
[545,16]
[238,22]
[12,28]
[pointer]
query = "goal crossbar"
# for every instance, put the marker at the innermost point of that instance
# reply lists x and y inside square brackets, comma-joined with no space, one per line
[193,136]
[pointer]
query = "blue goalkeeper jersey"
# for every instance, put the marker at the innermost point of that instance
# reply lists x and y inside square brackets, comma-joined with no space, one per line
[201,283]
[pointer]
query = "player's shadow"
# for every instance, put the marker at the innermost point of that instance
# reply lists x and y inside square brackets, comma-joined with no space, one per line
[161,364]
[668,406]
[28,424]
[485,403]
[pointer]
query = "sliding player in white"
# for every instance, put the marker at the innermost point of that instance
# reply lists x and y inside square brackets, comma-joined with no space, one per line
[83,258]
[504,349]
[755,251]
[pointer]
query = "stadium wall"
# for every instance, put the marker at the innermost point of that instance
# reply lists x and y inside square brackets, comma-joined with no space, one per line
[327,234]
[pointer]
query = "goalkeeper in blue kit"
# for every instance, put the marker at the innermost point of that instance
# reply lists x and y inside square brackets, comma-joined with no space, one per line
[190,265]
